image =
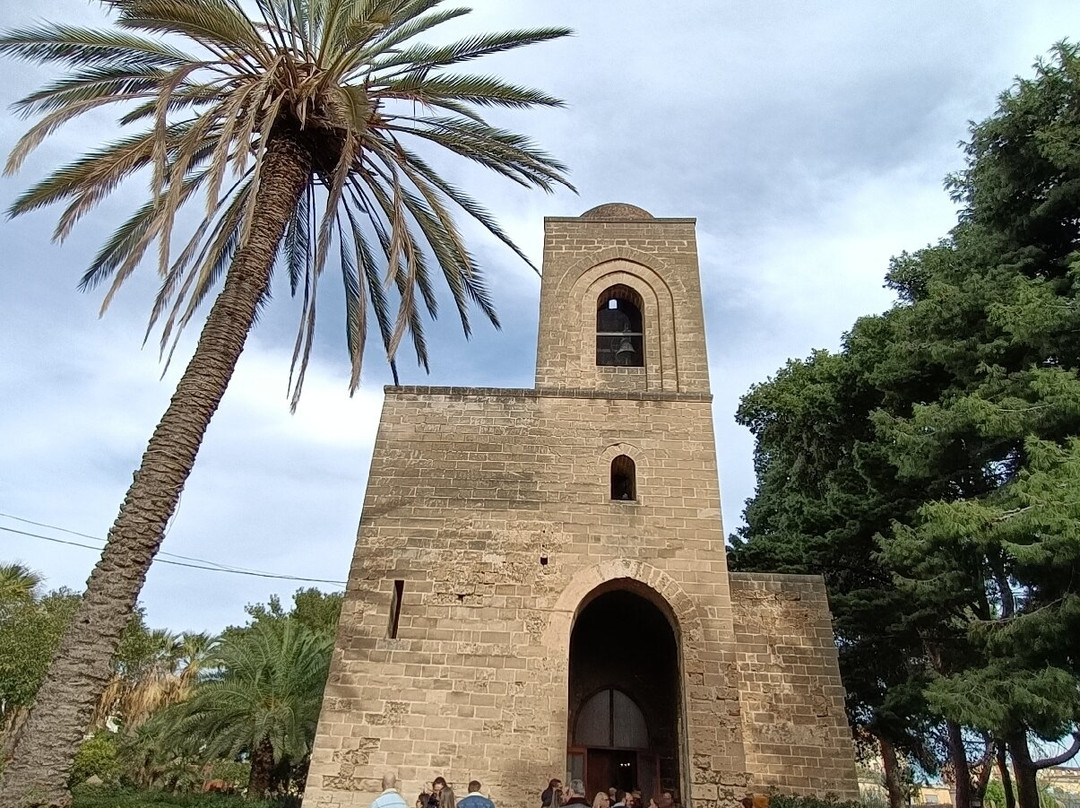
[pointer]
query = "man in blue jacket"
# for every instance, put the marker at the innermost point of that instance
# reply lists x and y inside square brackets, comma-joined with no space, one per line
[390,797]
[474,799]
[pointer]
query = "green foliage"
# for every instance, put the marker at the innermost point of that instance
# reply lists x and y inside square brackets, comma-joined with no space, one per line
[30,632]
[931,469]
[95,797]
[994,797]
[263,688]
[828,801]
[18,584]
[98,756]
[270,673]
[317,610]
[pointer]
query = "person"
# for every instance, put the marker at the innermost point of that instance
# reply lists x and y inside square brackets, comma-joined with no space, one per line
[551,797]
[652,803]
[430,799]
[446,797]
[601,800]
[577,794]
[620,799]
[474,799]
[611,794]
[390,797]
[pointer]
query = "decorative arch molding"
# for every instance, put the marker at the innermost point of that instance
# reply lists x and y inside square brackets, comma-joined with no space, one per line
[615,449]
[660,268]
[642,579]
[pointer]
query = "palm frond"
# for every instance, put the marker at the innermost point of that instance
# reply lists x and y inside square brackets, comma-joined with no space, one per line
[466,203]
[422,58]
[297,240]
[355,310]
[485,91]
[336,76]
[218,26]
[356,38]
[90,84]
[369,279]
[53,121]
[82,47]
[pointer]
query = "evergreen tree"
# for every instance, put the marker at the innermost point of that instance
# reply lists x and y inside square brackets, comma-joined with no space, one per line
[938,454]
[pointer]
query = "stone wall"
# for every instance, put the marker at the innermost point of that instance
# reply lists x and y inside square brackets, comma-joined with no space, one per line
[493,507]
[795,731]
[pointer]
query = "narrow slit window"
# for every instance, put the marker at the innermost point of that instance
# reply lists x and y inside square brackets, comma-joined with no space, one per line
[395,608]
[623,479]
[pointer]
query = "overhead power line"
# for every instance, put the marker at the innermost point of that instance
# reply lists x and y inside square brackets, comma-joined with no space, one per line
[201,564]
[59,529]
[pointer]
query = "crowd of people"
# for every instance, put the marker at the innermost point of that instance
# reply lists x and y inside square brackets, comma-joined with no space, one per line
[440,796]
[558,796]
[555,795]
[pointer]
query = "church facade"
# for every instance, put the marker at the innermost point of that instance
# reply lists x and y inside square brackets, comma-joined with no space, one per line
[540,588]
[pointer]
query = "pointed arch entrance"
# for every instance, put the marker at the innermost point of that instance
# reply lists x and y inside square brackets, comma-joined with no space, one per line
[625,706]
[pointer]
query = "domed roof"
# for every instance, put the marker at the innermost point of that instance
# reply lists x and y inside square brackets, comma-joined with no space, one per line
[616,210]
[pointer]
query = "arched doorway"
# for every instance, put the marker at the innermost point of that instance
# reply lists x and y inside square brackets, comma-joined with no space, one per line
[624,710]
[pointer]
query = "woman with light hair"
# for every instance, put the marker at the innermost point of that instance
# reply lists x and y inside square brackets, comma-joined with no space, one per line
[601,800]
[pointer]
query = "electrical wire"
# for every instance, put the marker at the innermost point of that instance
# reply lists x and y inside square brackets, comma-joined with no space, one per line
[216,568]
[97,538]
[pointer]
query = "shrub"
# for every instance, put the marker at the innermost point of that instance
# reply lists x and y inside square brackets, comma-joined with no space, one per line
[828,801]
[97,756]
[90,797]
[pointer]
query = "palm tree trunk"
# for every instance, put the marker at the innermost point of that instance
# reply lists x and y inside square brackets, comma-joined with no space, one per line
[82,665]
[262,770]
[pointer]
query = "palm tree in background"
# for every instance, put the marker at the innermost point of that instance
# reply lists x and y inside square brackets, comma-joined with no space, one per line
[163,675]
[18,583]
[259,694]
[297,127]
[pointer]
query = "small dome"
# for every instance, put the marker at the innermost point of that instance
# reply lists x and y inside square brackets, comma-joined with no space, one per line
[616,210]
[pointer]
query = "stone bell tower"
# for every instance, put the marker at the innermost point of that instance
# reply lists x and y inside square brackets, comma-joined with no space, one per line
[540,586]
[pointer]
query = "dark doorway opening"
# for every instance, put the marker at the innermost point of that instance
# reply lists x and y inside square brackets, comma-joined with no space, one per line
[624,706]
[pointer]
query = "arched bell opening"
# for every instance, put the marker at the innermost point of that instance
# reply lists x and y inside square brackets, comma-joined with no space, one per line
[619,330]
[624,696]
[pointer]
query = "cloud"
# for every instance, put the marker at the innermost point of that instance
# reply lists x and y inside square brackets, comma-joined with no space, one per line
[808,139]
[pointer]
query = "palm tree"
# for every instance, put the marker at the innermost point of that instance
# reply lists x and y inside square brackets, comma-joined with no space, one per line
[18,584]
[307,103]
[261,697]
[164,675]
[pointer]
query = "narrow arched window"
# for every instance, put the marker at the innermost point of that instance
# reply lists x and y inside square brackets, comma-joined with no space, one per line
[619,334]
[623,479]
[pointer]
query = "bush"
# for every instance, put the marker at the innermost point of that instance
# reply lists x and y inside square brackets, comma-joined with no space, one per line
[90,797]
[97,756]
[828,801]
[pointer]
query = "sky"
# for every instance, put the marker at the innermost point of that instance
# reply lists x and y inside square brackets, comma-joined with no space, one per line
[809,138]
